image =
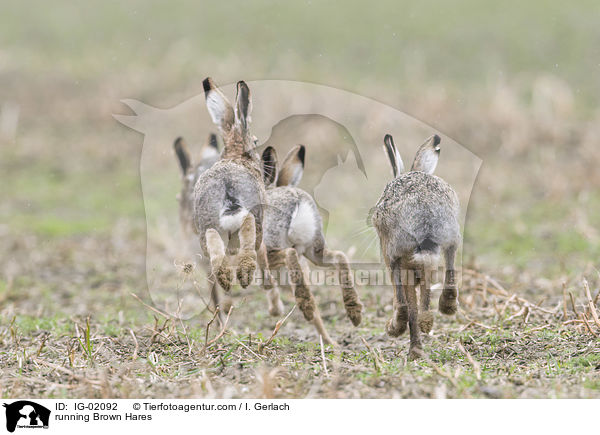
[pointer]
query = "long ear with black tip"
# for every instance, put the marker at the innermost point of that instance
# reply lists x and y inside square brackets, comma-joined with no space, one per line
[182,154]
[292,167]
[218,106]
[393,155]
[427,156]
[243,105]
[269,165]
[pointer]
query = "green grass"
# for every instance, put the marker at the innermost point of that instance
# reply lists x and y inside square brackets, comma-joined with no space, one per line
[458,42]
[63,203]
[57,324]
[532,234]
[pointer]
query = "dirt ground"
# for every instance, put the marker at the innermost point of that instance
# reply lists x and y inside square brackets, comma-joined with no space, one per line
[502,344]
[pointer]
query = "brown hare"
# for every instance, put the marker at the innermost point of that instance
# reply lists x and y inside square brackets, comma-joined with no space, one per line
[229,196]
[293,229]
[190,171]
[416,218]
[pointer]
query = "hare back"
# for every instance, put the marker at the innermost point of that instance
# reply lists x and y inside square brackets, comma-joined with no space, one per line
[291,219]
[417,213]
[205,164]
[186,199]
[224,195]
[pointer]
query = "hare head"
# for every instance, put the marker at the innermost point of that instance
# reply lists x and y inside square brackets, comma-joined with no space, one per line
[426,158]
[233,121]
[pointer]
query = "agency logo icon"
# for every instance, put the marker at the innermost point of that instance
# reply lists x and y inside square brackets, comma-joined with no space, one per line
[24,414]
[345,171]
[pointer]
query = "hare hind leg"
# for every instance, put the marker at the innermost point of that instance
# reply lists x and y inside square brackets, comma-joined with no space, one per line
[425,316]
[215,299]
[350,297]
[247,254]
[304,297]
[396,326]
[415,351]
[219,266]
[448,303]
[269,284]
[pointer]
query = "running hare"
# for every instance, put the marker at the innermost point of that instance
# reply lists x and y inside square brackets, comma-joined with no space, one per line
[190,172]
[293,228]
[228,197]
[415,218]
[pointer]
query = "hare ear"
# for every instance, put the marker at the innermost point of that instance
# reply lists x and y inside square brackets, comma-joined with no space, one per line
[210,148]
[182,154]
[393,155]
[243,105]
[218,106]
[427,156]
[292,167]
[269,165]
[212,141]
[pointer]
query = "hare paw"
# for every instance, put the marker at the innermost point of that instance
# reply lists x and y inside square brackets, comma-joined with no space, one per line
[448,302]
[246,268]
[426,321]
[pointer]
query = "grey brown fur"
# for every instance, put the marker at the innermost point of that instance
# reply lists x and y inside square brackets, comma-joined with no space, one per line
[294,229]
[190,172]
[416,218]
[228,197]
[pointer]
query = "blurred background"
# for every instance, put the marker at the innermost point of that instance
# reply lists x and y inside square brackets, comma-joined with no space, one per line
[516,83]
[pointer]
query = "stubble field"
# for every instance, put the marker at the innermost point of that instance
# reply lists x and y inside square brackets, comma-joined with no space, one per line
[75,319]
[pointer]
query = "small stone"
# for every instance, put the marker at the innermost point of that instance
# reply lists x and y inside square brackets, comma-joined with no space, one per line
[491,392]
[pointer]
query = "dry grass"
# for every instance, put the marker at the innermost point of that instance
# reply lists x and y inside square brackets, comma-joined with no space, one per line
[501,344]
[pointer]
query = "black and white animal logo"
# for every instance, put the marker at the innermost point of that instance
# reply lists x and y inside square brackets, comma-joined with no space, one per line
[26,414]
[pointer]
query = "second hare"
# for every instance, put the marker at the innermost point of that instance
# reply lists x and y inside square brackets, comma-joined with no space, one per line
[416,219]
[293,229]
